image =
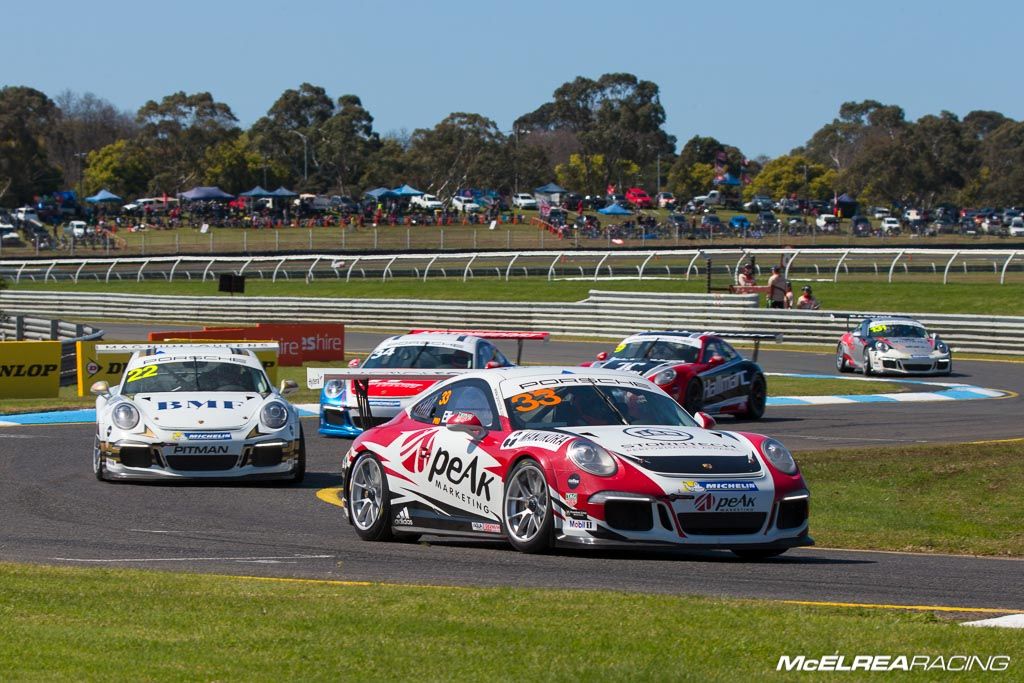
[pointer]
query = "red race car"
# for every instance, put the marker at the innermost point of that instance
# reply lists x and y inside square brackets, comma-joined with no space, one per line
[700,370]
[545,456]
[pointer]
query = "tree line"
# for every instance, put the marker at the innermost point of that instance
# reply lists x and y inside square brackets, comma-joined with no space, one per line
[592,133]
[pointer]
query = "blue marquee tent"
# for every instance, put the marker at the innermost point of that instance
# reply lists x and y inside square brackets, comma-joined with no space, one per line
[205,194]
[103,196]
[379,193]
[283,192]
[406,191]
[615,210]
[258,193]
[551,188]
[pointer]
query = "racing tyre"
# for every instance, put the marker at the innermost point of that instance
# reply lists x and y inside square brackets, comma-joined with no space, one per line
[756,554]
[299,473]
[529,520]
[693,400]
[756,399]
[868,370]
[98,463]
[369,506]
[841,364]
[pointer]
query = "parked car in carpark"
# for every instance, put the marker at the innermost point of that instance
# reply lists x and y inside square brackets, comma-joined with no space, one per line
[9,236]
[711,222]
[665,200]
[767,221]
[1016,227]
[595,201]
[880,212]
[758,204]
[860,225]
[571,200]
[891,225]
[619,199]
[465,204]
[826,222]
[428,202]
[788,206]
[76,229]
[638,197]
[524,200]
[739,223]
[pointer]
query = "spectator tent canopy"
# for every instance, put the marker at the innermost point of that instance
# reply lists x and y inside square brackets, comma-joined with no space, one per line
[205,194]
[103,196]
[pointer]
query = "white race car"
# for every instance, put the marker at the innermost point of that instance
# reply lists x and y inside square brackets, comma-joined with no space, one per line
[893,345]
[185,411]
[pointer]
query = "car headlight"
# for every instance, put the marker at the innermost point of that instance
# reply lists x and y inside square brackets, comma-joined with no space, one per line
[665,376]
[592,458]
[941,347]
[125,415]
[779,456]
[274,415]
[334,388]
[881,347]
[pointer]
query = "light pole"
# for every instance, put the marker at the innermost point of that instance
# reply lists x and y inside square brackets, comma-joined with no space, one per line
[305,155]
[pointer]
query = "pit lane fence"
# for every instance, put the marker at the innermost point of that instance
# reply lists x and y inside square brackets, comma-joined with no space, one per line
[30,328]
[720,265]
[602,315]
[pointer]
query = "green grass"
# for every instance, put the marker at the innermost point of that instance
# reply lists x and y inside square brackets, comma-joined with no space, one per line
[952,498]
[799,386]
[978,298]
[88,624]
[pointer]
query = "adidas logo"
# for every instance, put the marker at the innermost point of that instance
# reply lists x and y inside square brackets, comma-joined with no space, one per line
[403,518]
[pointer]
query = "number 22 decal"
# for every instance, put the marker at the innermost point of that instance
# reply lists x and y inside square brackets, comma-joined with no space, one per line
[141,373]
[532,400]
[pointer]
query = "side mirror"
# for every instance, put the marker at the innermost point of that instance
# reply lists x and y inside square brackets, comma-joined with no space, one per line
[354,363]
[466,423]
[716,360]
[100,388]
[705,421]
[491,364]
[289,386]
[603,355]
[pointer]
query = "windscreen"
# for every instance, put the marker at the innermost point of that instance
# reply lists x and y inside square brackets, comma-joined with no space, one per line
[658,350]
[897,331]
[194,375]
[593,405]
[422,356]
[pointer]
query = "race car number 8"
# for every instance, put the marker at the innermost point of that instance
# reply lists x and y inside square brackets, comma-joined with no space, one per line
[141,373]
[532,400]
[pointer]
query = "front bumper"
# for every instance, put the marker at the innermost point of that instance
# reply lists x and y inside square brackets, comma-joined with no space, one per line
[913,365]
[345,422]
[632,519]
[137,459]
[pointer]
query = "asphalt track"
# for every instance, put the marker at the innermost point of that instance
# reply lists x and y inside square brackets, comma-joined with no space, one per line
[55,512]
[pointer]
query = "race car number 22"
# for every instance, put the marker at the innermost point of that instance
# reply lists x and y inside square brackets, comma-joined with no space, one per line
[141,373]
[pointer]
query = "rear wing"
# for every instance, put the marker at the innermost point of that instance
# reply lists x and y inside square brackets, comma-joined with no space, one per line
[151,347]
[756,337]
[316,377]
[520,337]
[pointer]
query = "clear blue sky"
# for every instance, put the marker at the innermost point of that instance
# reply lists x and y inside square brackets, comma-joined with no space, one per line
[760,75]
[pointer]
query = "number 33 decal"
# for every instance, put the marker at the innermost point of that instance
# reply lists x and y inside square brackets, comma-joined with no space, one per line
[532,400]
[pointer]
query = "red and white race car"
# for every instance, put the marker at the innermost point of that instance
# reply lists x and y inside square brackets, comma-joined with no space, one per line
[893,345]
[701,370]
[590,457]
[340,414]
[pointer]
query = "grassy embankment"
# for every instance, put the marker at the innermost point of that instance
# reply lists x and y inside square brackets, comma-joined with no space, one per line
[77,624]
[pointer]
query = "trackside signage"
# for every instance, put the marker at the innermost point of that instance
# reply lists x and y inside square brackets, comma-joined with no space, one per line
[29,369]
[298,342]
[93,367]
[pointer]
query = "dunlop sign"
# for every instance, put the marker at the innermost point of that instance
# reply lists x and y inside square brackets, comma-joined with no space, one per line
[93,367]
[29,369]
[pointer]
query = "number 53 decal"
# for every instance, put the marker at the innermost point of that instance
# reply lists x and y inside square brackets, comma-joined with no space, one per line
[532,400]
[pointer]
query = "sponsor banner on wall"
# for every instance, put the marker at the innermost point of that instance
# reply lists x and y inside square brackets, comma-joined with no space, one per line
[93,367]
[298,342]
[29,369]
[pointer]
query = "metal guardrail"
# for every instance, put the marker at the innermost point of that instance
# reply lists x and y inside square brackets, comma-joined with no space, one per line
[24,327]
[819,263]
[608,315]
